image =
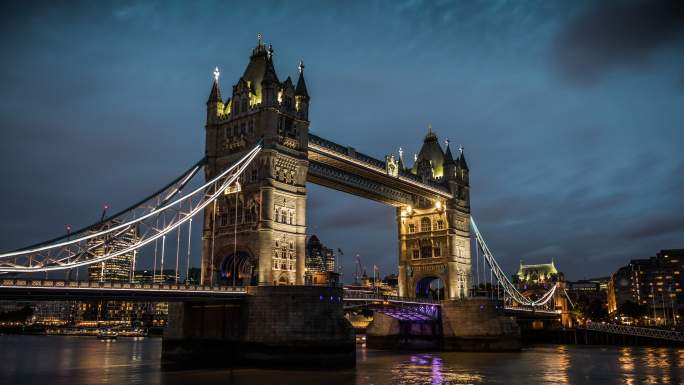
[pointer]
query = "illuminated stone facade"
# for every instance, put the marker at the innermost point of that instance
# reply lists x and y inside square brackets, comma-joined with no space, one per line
[267,216]
[259,232]
[434,235]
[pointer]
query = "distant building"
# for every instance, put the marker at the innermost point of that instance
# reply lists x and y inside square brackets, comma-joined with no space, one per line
[115,269]
[148,276]
[654,283]
[320,264]
[536,274]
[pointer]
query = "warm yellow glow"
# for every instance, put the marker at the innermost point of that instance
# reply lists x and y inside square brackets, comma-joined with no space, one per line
[438,205]
[280,96]
[297,102]
[254,99]
[409,209]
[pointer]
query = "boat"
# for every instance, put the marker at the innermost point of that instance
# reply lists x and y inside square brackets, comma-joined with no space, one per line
[107,334]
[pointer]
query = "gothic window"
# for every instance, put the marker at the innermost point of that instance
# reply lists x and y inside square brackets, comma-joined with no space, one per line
[411,228]
[436,252]
[426,251]
[291,245]
[440,225]
[416,253]
[425,224]
[289,218]
[275,264]
[283,266]
[277,215]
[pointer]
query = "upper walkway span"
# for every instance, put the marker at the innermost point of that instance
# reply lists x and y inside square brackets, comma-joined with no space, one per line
[345,169]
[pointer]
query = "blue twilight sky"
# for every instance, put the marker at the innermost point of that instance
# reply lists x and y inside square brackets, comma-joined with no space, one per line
[571,112]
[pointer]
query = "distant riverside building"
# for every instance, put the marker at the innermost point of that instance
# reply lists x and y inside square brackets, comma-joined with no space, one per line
[536,274]
[116,269]
[655,284]
[148,276]
[320,264]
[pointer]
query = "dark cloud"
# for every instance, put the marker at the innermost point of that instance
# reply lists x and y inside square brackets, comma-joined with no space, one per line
[615,34]
[104,103]
[661,226]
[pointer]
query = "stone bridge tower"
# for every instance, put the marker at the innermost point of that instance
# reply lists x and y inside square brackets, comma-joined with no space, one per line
[434,236]
[267,216]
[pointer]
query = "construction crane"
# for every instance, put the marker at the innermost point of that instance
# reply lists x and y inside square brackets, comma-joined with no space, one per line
[359,270]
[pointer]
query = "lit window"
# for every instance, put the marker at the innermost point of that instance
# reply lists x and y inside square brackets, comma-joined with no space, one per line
[425,224]
[440,225]
[416,255]
[412,228]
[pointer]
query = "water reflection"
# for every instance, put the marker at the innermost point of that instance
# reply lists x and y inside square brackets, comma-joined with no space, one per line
[31,360]
[430,369]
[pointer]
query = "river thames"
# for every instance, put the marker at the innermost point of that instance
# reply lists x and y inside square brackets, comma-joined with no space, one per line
[85,360]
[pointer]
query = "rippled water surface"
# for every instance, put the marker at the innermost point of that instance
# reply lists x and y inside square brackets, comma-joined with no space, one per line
[85,360]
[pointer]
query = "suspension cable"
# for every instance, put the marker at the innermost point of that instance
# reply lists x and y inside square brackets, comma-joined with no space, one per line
[501,277]
[211,189]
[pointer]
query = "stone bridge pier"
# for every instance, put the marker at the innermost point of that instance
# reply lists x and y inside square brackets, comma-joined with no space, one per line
[467,324]
[275,326]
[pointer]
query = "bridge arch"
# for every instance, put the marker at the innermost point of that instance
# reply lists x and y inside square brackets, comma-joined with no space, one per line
[431,286]
[245,266]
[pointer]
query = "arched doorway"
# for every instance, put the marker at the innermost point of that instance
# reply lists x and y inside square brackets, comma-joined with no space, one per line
[430,287]
[245,267]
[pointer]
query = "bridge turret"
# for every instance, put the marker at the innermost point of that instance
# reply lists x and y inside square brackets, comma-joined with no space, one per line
[215,104]
[302,95]
[270,82]
[463,176]
[271,204]
[429,163]
[287,96]
[449,163]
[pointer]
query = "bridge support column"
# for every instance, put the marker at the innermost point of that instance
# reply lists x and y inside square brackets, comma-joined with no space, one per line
[478,324]
[386,332]
[273,326]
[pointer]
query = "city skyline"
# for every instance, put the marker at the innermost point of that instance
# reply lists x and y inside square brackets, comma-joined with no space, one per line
[585,175]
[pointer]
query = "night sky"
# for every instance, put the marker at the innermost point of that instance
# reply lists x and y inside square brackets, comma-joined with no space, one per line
[571,113]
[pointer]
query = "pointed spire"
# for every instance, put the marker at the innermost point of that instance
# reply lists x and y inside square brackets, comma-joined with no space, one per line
[461,159]
[215,94]
[401,159]
[288,83]
[430,136]
[448,158]
[301,84]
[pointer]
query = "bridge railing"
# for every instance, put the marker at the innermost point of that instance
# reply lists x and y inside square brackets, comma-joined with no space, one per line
[363,295]
[636,331]
[141,286]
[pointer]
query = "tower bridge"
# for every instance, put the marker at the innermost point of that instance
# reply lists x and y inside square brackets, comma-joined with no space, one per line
[259,157]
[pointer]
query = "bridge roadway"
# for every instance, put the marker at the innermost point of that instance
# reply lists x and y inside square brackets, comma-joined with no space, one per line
[60,290]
